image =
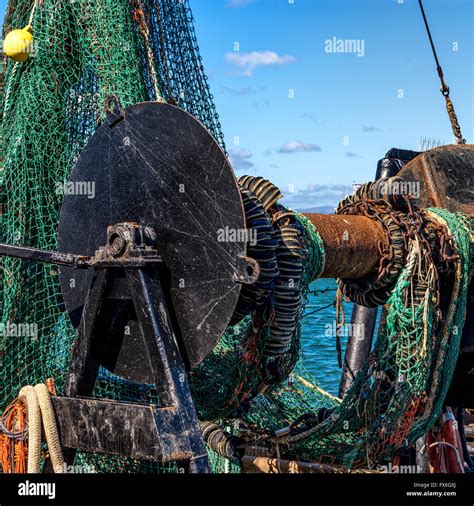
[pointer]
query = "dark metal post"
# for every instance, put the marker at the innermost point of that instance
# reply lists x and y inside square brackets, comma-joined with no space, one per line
[363,318]
[166,362]
[359,345]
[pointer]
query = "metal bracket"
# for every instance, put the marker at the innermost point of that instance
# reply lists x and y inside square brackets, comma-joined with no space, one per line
[114,112]
[172,429]
[249,271]
[168,432]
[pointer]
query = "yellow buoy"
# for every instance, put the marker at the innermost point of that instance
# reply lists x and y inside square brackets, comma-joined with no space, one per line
[18,44]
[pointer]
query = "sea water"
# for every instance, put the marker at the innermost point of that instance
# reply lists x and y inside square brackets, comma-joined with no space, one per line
[318,340]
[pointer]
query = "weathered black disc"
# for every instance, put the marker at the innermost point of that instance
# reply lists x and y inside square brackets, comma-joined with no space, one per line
[157,165]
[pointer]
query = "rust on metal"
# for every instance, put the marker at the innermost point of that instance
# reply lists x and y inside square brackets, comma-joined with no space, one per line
[442,177]
[351,243]
[257,465]
[432,194]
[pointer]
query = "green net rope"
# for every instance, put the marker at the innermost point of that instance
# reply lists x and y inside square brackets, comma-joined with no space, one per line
[50,107]
[399,393]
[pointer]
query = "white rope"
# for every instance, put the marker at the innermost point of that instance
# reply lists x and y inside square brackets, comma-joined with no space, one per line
[30,400]
[50,427]
[40,413]
[445,443]
[32,13]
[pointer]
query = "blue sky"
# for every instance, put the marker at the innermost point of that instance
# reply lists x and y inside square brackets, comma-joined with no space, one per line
[313,121]
[346,111]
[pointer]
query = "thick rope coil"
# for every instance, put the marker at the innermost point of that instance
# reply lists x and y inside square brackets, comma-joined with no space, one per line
[50,427]
[378,201]
[400,393]
[261,246]
[221,442]
[280,241]
[30,399]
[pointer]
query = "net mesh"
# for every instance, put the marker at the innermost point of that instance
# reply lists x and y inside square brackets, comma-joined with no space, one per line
[50,106]
[399,393]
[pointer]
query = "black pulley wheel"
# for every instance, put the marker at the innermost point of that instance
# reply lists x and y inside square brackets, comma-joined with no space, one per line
[157,165]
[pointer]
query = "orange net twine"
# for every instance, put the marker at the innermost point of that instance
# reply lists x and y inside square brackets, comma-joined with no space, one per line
[14,435]
[13,438]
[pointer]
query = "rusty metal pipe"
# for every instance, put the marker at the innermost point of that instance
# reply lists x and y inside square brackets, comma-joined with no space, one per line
[267,465]
[351,244]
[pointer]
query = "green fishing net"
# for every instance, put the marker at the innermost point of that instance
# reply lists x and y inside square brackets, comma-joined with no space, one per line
[50,106]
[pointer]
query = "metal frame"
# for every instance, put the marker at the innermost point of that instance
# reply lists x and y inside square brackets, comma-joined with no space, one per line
[169,432]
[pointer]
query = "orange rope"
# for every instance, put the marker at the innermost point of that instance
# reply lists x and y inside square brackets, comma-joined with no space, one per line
[13,443]
[13,447]
[51,386]
[406,422]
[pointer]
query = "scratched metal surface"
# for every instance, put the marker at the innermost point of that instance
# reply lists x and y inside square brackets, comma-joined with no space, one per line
[446,177]
[160,167]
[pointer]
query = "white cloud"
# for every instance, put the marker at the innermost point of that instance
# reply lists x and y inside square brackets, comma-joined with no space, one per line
[240,159]
[248,62]
[298,147]
[242,154]
[317,195]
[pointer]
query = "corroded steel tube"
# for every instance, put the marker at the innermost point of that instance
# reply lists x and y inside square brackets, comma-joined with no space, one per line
[351,244]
